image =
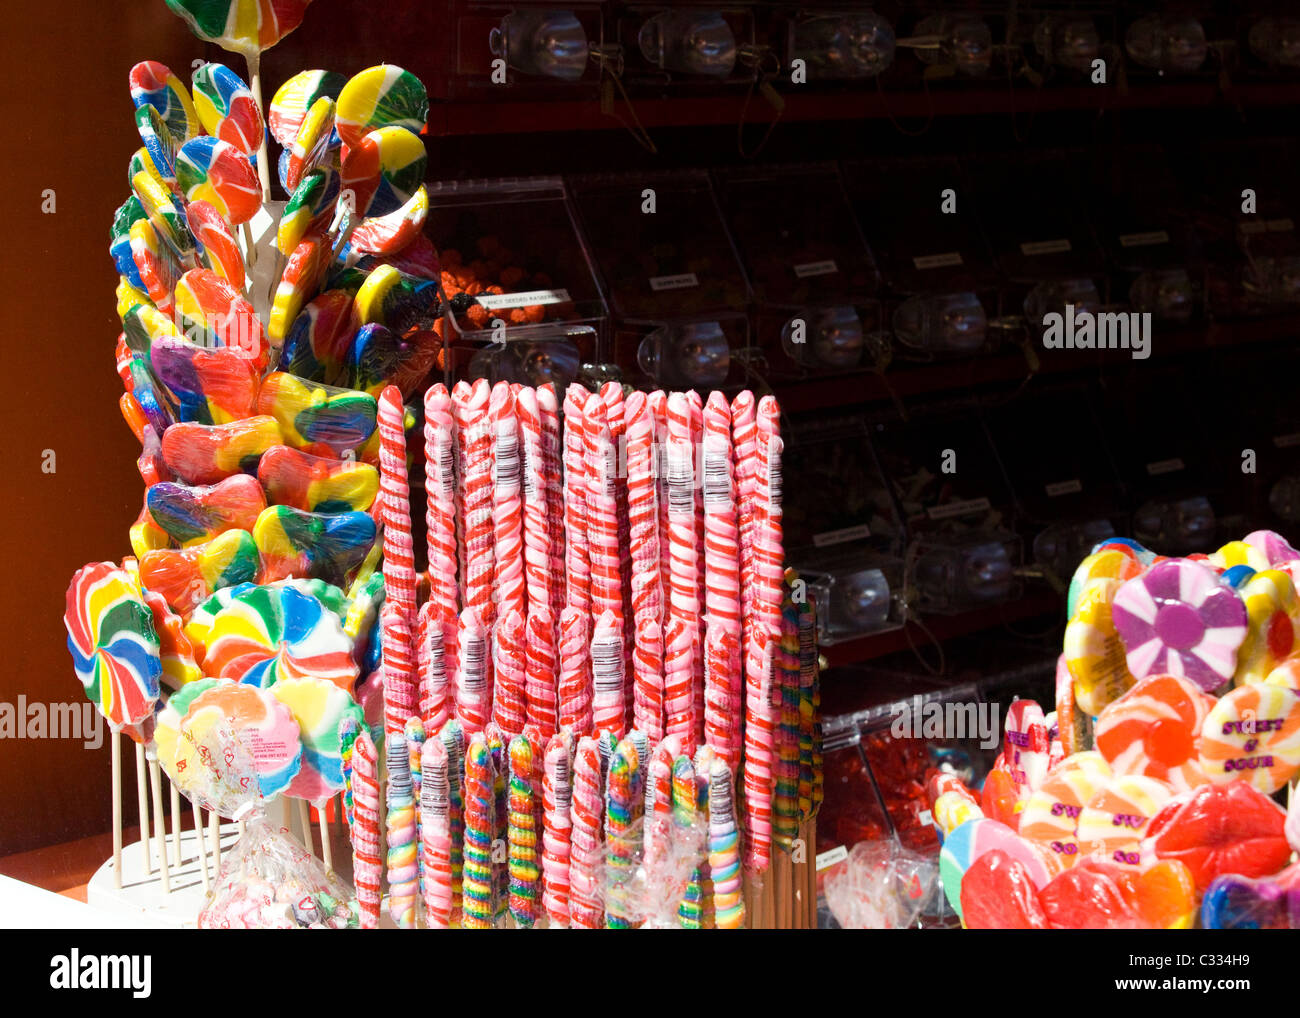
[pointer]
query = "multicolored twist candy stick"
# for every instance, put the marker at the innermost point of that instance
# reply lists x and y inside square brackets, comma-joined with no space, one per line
[525,873]
[415,737]
[724,850]
[453,738]
[689,910]
[624,804]
[401,828]
[480,822]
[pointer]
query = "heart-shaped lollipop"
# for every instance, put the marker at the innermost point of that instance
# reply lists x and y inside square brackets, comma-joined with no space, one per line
[195,515]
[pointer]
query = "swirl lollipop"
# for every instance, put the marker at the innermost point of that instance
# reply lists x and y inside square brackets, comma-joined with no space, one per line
[295,97]
[114,646]
[382,171]
[167,216]
[220,252]
[381,96]
[158,143]
[156,265]
[209,169]
[319,707]
[226,107]
[214,313]
[311,143]
[388,234]
[311,202]
[319,339]
[153,84]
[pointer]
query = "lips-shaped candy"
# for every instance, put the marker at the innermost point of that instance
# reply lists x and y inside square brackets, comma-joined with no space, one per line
[379,358]
[187,576]
[320,419]
[195,515]
[319,545]
[1235,902]
[207,386]
[997,893]
[207,453]
[317,484]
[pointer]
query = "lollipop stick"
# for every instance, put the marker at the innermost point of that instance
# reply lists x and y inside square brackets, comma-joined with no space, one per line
[176,826]
[250,249]
[202,848]
[214,830]
[255,85]
[117,811]
[159,822]
[326,852]
[304,821]
[142,801]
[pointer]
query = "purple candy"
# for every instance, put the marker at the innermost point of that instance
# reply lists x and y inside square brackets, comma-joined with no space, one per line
[1179,619]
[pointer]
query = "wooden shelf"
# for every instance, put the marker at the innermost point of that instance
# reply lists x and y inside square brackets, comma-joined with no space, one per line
[941,628]
[456,117]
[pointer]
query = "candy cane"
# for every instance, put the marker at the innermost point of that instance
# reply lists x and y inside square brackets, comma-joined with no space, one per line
[577,566]
[510,673]
[548,411]
[431,655]
[435,834]
[507,504]
[648,693]
[557,827]
[602,513]
[399,550]
[401,685]
[472,696]
[611,394]
[541,692]
[536,527]
[643,508]
[758,749]
[585,897]
[367,867]
[575,673]
[440,513]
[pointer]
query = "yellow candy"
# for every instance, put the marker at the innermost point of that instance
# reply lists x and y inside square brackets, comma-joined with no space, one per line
[952,809]
[1094,652]
[1273,610]
[128,297]
[1239,553]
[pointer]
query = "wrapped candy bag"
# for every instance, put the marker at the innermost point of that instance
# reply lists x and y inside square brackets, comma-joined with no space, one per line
[881,886]
[268,881]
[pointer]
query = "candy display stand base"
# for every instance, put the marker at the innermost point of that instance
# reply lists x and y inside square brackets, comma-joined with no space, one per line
[142,893]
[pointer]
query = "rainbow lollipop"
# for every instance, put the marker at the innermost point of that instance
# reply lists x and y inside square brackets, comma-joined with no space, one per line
[383,170]
[208,386]
[156,265]
[241,26]
[320,708]
[226,107]
[318,342]
[114,647]
[153,84]
[381,96]
[195,515]
[187,576]
[391,233]
[327,546]
[311,201]
[129,212]
[295,97]
[167,217]
[158,143]
[302,278]
[219,251]
[379,357]
[268,634]
[209,169]
[259,722]
[141,162]
[145,325]
[214,314]
[311,143]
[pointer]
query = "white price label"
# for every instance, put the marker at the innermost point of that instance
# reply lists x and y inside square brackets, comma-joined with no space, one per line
[938,261]
[829,537]
[1147,239]
[1169,466]
[682,281]
[830,857]
[526,299]
[1289,441]
[1045,247]
[1071,487]
[826,268]
[963,508]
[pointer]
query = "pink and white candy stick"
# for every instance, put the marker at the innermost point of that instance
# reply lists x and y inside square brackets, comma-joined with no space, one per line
[607,675]
[602,513]
[658,404]
[537,531]
[507,504]
[611,394]
[541,688]
[435,833]
[769,552]
[440,514]
[722,704]
[721,528]
[759,743]
[473,697]
[367,866]
[585,876]
[575,673]
[697,446]
[557,828]
[399,550]
[431,653]
[476,474]
[683,564]
[744,435]
[643,508]
[577,566]
[659,798]
[552,473]
[648,694]
[401,685]
[510,674]
[680,645]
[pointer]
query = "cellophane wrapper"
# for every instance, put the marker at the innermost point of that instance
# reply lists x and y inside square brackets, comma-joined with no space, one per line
[881,886]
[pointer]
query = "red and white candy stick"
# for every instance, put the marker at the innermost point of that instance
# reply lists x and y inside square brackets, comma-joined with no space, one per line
[602,513]
[367,865]
[659,799]
[611,394]
[697,445]
[643,508]
[721,529]
[648,694]
[722,692]
[658,403]
[680,646]
[431,654]
[557,828]
[537,531]
[575,673]
[399,550]
[440,513]
[401,685]
[510,673]
[473,697]
[507,504]
[585,870]
[577,566]
[435,833]
[549,412]
[541,689]
[769,552]
[475,431]
[607,675]
[759,744]
[744,435]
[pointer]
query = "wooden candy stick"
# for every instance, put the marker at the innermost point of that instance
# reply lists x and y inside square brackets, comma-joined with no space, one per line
[304,822]
[326,849]
[142,803]
[176,825]
[200,844]
[159,821]
[577,567]
[117,808]
[214,834]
